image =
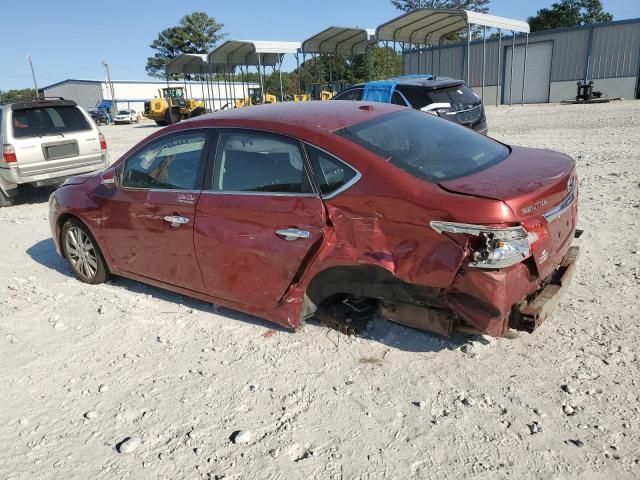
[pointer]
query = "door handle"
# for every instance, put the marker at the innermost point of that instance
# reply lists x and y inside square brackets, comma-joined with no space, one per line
[291,234]
[176,220]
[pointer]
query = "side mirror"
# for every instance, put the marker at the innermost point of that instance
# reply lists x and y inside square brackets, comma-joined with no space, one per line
[108,178]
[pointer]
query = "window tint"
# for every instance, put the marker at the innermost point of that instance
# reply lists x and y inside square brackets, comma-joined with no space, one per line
[353,94]
[169,163]
[331,174]
[259,162]
[34,122]
[425,146]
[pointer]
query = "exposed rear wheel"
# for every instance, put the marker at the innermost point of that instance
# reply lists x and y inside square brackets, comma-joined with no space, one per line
[83,253]
[346,313]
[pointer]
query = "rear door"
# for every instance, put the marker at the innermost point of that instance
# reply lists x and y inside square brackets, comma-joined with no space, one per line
[53,136]
[148,219]
[260,221]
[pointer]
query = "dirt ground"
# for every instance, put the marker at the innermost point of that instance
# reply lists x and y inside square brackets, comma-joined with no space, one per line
[84,367]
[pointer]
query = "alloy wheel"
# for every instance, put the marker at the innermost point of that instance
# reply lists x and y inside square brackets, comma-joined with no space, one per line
[81,252]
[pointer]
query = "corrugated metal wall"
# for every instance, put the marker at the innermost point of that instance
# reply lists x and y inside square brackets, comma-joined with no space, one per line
[615,52]
[85,94]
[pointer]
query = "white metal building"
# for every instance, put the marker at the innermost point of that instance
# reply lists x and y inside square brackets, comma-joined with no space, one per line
[132,94]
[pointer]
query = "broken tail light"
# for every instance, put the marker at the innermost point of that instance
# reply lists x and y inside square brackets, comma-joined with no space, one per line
[492,247]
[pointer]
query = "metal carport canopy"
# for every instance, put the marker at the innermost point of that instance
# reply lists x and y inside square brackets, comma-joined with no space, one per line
[340,40]
[252,52]
[187,63]
[426,26]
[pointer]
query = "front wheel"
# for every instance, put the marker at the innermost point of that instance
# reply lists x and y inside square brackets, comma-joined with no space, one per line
[82,253]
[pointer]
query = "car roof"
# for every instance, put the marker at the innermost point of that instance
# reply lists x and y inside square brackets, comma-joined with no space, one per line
[314,116]
[428,82]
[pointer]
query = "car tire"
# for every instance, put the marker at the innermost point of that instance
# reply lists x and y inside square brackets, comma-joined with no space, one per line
[161,123]
[5,200]
[83,254]
[171,117]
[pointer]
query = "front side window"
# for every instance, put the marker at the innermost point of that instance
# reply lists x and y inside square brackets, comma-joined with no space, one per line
[171,163]
[259,162]
[38,121]
[426,146]
[331,174]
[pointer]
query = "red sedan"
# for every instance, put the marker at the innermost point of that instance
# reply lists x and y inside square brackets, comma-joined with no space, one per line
[345,208]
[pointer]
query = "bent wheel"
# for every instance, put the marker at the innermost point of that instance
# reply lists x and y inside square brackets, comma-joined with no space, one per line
[83,254]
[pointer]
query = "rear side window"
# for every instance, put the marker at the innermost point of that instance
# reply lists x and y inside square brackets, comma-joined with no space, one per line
[460,97]
[170,163]
[425,146]
[354,94]
[34,122]
[331,173]
[259,162]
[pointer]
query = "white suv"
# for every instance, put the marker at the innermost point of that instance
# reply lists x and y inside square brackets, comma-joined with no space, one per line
[45,141]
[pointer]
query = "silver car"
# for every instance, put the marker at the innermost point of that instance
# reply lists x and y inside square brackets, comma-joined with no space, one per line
[45,141]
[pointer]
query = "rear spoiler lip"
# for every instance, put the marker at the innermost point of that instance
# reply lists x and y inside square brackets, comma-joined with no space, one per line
[42,103]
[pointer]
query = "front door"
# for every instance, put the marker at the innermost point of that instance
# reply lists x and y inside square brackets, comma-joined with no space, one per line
[259,221]
[149,219]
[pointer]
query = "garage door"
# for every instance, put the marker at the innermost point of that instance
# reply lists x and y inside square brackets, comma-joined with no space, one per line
[538,73]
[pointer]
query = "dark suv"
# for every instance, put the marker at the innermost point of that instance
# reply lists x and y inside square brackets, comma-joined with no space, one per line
[442,96]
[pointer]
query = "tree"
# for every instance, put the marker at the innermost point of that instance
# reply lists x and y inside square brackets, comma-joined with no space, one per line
[16,95]
[475,5]
[196,33]
[569,13]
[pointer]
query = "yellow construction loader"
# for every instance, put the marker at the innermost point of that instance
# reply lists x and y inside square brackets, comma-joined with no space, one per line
[172,106]
[255,97]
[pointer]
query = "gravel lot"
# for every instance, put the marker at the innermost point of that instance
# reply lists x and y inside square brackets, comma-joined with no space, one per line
[85,367]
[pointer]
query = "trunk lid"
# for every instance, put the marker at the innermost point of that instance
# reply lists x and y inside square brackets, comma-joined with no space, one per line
[529,181]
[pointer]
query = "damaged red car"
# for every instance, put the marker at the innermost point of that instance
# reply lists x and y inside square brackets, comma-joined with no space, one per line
[339,209]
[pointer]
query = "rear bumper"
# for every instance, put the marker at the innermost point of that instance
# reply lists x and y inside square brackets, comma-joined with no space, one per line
[493,301]
[11,178]
[530,315]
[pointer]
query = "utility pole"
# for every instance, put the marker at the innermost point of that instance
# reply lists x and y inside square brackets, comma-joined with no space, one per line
[114,106]
[33,74]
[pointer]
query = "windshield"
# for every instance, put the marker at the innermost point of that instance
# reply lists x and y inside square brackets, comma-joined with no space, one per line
[35,122]
[426,146]
[124,112]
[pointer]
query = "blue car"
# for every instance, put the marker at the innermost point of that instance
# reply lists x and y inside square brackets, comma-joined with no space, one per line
[442,96]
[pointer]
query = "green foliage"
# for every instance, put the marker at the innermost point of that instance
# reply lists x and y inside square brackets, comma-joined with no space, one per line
[196,33]
[481,6]
[15,95]
[569,13]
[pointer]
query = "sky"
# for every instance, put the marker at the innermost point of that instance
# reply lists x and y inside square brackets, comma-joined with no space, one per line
[71,38]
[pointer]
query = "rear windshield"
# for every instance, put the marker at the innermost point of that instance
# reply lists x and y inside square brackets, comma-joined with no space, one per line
[460,97]
[39,121]
[426,146]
